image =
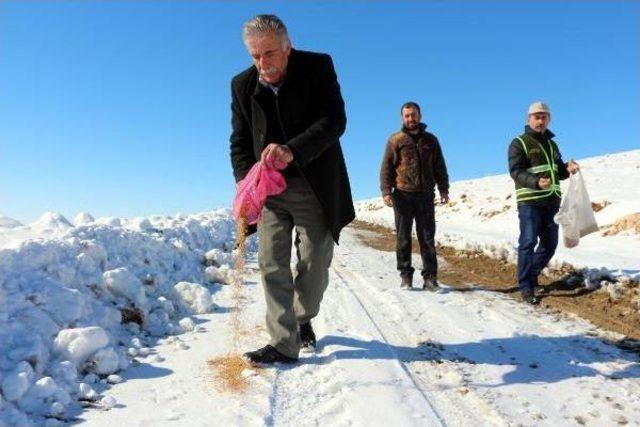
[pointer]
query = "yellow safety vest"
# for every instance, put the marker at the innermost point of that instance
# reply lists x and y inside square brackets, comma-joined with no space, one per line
[541,165]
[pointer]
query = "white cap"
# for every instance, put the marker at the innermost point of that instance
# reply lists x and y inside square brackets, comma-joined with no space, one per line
[539,107]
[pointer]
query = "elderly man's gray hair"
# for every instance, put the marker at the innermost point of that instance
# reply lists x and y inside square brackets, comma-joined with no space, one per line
[261,25]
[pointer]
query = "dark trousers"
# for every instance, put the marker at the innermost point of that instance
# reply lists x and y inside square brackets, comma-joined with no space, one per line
[536,228]
[407,207]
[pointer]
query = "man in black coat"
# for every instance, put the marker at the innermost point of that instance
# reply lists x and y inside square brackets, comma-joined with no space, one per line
[536,166]
[287,108]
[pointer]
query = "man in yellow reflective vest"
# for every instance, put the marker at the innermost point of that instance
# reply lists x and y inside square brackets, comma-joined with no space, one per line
[536,166]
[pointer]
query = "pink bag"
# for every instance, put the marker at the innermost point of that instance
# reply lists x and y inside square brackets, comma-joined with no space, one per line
[252,191]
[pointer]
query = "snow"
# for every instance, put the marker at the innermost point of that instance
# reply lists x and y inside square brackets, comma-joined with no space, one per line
[78,344]
[66,288]
[83,218]
[187,324]
[51,222]
[17,383]
[390,357]
[121,283]
[384,356]
[6,222]
[193,297]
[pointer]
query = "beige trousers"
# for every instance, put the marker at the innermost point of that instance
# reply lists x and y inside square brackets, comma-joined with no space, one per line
[293,300]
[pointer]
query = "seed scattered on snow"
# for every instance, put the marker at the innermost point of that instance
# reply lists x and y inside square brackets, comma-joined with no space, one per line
[463,390]
[620,419]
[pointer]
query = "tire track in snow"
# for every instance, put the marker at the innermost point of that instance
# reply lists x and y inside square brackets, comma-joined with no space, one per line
[520,319]
[435,416]
[492,415]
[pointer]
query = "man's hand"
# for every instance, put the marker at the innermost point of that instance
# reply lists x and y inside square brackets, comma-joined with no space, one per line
[388,200]
[274,154]
[544,183]
[572,167]
[444,198]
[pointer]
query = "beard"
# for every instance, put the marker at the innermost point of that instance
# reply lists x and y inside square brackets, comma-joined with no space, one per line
[411,125]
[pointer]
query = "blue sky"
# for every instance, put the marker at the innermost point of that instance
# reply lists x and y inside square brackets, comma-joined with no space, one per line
[122,108]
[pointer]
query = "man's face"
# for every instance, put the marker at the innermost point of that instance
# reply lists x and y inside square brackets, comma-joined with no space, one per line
[539,121]
[269,57]
[411,118]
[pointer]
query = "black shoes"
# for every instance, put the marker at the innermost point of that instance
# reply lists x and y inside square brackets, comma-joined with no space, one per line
[406,282]
[431,285]
[307,336]
[532,299]
[268,355]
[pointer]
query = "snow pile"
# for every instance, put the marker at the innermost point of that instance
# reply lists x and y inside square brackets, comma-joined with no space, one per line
[51,222]
[193,297]
[83,218]
[76,345]
[6,222]
[78,303]
[482,216]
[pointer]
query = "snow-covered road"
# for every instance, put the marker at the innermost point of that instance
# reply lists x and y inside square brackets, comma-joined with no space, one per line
[390,357]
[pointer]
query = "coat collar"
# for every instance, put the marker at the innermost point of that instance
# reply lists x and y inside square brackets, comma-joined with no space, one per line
[422,129]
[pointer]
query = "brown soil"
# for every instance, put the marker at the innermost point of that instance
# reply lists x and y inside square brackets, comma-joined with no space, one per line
[598,206]
[628,223]
[562,292]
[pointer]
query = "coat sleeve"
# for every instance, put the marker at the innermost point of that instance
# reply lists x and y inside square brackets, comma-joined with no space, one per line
[331,121]
[388,169]
[242,155]
[440,173]
[518,165]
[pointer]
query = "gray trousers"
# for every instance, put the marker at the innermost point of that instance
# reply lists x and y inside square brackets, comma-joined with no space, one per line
[293,301]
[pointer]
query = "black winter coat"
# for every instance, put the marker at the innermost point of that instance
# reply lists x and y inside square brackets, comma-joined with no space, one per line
[312,116]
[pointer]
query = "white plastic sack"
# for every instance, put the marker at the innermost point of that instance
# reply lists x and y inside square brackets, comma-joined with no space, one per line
[575,216]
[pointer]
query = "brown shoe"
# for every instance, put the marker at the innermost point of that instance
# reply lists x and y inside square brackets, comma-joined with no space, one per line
[431,285]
